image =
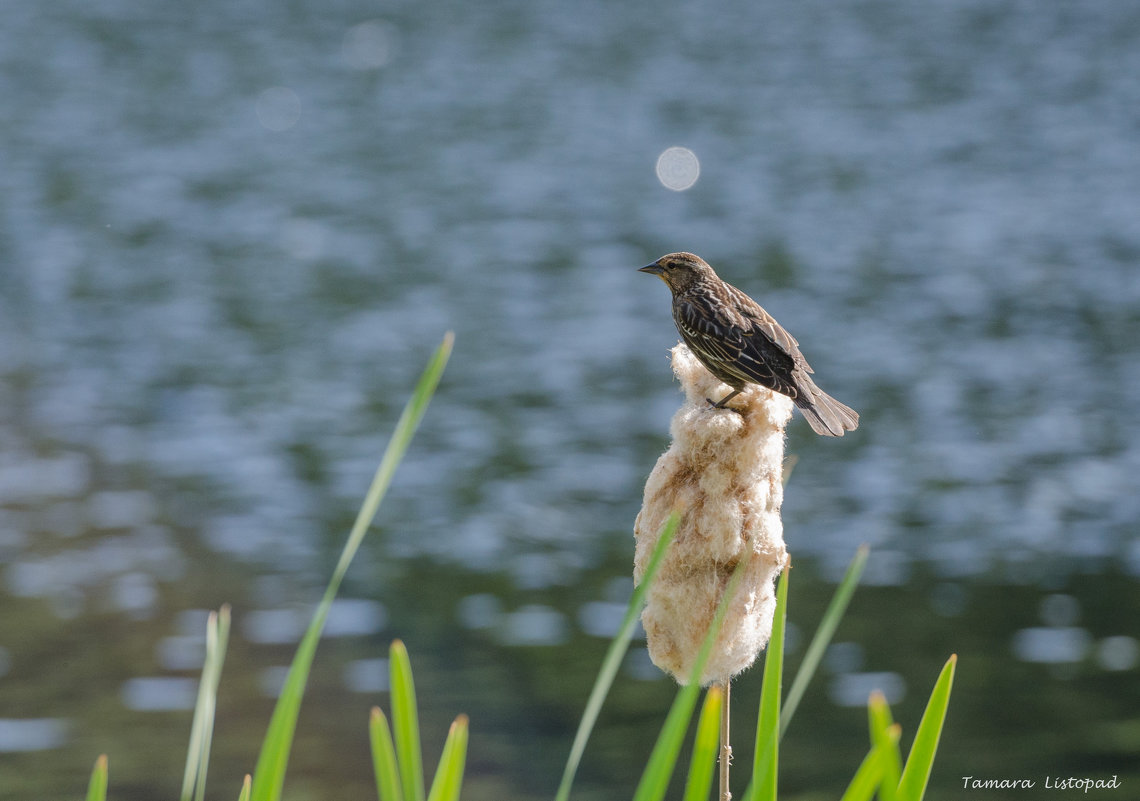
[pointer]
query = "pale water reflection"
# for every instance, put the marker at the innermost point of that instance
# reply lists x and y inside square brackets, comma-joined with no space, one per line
[33,734]
[1119,652]
[853,689]
[1058,644]
[159,693]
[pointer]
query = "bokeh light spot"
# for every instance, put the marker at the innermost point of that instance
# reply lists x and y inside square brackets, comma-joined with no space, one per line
[278,108]
[369,45]
[678,168]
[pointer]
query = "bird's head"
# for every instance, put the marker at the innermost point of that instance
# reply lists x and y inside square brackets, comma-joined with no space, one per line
[680,270]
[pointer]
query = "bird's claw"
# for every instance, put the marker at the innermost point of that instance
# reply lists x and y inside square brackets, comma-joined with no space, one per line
[722,406]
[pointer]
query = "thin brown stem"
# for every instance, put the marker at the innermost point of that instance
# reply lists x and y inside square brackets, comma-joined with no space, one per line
[725,747]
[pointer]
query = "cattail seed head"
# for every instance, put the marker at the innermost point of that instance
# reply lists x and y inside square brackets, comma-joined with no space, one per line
[723,474]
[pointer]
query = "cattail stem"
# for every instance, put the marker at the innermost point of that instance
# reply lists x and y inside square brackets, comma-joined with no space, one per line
[725,747]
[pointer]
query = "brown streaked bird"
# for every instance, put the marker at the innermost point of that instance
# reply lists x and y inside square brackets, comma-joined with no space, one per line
[742,344]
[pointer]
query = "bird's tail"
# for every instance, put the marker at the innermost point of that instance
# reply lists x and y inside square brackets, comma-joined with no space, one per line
[826,416]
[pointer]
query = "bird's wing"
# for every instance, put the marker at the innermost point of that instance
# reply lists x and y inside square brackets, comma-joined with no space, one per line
[758,323]
[737,346]
[707,330]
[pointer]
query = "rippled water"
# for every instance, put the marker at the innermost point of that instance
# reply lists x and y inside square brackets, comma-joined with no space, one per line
[230,235]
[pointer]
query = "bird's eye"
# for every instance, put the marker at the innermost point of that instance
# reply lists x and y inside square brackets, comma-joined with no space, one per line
[669,265]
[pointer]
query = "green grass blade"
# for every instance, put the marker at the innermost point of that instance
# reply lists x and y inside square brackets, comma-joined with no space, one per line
[202,727]
[912,785]
[406,722]
[246,788]
[613,659]
[449,775]
[885,738]
[866,779]
[766,759]
[659,770]
[823,635]
[384,758]
[790,462]
[405,429]
[97,787]
[217,639]
[705,747]
[269,776]
[194,750]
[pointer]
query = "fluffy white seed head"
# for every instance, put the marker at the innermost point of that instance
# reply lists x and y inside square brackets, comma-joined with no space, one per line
[723,474]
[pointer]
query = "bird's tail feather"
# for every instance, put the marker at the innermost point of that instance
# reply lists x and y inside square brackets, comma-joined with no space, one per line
[826,416]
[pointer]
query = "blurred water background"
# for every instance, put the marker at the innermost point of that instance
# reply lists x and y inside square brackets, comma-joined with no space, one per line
[232,232]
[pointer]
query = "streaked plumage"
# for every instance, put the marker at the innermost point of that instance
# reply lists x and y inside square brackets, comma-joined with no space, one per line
[742,344]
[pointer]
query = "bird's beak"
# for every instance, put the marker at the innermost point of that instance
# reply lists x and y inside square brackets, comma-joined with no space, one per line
[654,268]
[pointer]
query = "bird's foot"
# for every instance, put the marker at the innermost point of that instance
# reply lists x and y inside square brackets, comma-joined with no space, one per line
[722,405]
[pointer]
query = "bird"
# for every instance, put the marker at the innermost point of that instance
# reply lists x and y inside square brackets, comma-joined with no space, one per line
[742,344]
